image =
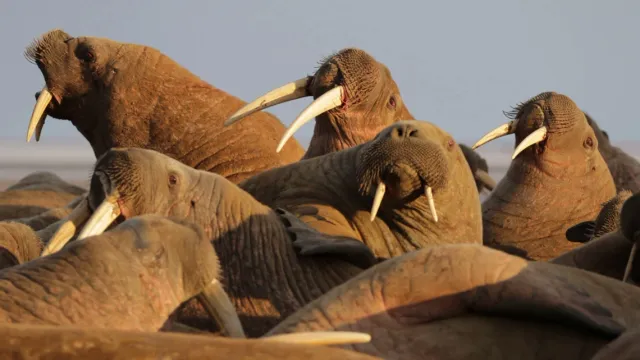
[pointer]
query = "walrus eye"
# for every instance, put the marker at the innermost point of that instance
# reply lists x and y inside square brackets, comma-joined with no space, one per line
[392,102]
[173,180]
[85,55]
[450,144]
[588,142]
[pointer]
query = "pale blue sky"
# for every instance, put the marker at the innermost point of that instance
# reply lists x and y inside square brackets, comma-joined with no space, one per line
[458,63]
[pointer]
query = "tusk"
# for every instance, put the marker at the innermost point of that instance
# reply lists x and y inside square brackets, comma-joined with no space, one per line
[65,232]
[377,200]
[217,303]
[500,131]
[432,204]
[38,115]
[632,255]
[321,338]
[291,91]
[485,179]
[533,138]
[40,126]
[102,217]
[329,100]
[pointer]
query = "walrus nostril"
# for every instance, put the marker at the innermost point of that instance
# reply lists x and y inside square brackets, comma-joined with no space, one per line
[404,131]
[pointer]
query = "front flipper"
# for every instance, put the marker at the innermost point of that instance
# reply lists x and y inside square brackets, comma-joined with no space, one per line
[309,242]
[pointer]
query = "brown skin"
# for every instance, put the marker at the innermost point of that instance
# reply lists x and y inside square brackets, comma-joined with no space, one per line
[608,254]
[469,302]
[35,194]
[262,272]
[626,347]
[334,193]
[624,168]
[565,172]
[372,102]
[76,343]
[608,220]
[127,95]
[18,244]
[131,278]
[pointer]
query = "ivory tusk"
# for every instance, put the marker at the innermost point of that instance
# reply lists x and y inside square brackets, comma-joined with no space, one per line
[432,204]
[632,255]
[38,115]
[65,232]
[500,131]
[329,100]
[217,303]
[291,91]
[102,217]
[321,338]
[377,200]
[485,179]
[533,138]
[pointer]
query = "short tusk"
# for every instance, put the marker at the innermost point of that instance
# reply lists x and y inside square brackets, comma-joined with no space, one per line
[65,232]
[533,138]
[291,91]
[377,200]
[321,338]
[432,204]
[632,255]
[500,131]
[102,217]
[217,303]
[329,100]
[486,179]
[38,115]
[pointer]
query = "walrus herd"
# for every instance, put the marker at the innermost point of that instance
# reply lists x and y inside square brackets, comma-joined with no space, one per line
[208,232]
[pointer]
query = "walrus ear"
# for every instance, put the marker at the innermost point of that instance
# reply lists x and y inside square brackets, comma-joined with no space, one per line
[581,232]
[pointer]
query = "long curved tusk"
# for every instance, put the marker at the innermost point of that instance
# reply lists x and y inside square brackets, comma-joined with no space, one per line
[432,204]
[486,179]
[65,232]
[533,138]
[632,255]
[38,115]
[291,91]
[500,131]
[321,338]
[377,200]
[217,303]
[102,217]
[329,100]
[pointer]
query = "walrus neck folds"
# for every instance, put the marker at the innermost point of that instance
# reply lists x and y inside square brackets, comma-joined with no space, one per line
[333,134]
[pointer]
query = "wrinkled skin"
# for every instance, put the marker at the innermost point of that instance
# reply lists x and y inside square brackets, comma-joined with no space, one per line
[75,343]
[624,168]
[468,302]
[130,278]
[551,185]
[608,254]
[18,244]
[626,347]
[36,193]
[127,95]
[262,273]
[371,101]
[333,193]
[608,220]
